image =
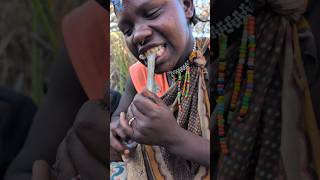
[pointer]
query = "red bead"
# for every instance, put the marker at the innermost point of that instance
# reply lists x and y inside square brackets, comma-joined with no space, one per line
[237,81]
[238,75]
[219,116]
[243,112]
[252,49]
[220,86]
[220,126]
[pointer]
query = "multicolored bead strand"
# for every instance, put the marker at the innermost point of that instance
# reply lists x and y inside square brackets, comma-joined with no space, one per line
[184,84]
[250,68]
[239,72]
[188,82]
[179,90]
[220,87]
[240,66]
[183,91]
[248,41]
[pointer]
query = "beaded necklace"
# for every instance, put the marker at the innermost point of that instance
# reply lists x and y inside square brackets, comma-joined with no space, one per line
[247,43]
[234,21]
[176,75]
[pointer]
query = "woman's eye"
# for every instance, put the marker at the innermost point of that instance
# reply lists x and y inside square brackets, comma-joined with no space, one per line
[127,32]
[153,13]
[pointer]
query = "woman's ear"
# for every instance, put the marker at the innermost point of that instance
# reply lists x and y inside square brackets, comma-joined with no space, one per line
[188,8]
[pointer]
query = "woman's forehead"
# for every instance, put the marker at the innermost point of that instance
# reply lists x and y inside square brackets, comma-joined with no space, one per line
[139,3]
[135,4]
[125,7]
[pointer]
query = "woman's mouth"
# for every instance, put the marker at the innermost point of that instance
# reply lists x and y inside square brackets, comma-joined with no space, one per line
[158,51]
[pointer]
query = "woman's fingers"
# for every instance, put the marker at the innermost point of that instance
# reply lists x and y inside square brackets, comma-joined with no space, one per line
[138,117]
[137,125]
[153,97]
[90,127]
[144,105]
[124,123]
[120,133]
[83,159]
[121,130]
[41,170]
[63,166]
[115,143]
[138,137]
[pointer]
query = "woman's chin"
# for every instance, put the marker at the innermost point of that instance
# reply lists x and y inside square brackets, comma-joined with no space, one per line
[161,69]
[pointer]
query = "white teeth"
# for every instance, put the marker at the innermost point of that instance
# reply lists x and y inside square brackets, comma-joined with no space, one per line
[143,57]
[156,50]
[160,51]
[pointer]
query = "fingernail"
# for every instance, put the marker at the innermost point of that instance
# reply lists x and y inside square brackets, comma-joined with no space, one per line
[126,152]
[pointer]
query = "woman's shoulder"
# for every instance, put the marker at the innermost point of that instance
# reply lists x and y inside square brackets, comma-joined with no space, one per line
[90,64]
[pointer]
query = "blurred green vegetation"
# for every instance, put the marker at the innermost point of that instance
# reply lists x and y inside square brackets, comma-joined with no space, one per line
[30,38]
[121,60]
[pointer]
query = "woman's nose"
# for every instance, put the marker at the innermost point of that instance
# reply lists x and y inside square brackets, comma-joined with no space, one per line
[141,35]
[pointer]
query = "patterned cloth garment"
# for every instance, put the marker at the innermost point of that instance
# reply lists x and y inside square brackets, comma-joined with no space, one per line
[118,171]
[259,145]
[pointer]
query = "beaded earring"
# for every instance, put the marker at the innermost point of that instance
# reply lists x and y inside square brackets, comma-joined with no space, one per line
[247,42]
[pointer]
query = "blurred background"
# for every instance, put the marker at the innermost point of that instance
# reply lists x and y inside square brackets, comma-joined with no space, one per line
[30,39]
[30,36]
[120,56]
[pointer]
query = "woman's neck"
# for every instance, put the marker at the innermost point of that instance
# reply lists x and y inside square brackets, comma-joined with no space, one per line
[185,57]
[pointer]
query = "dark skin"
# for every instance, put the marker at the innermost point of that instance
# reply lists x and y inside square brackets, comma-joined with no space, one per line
[156,22]
[65,96]
[82,137]
[81,148]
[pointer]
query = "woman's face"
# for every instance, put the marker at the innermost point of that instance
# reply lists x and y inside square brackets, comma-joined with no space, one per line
[159,24]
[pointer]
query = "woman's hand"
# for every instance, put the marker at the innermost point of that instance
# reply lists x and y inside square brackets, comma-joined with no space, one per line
[84,146]
[120,132]
[154,122]
[62,169]
[91,127]
[41,171]
[85,163]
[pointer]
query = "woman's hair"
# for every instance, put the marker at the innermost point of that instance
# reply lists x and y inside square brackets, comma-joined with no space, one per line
[194,20]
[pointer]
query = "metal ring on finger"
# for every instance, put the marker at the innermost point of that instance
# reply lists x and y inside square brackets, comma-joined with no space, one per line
[131,121]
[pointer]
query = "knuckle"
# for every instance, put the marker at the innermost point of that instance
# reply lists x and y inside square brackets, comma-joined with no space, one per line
[86,120]
[154,114]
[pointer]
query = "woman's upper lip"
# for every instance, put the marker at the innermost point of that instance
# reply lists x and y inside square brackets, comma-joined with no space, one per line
[145,48]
